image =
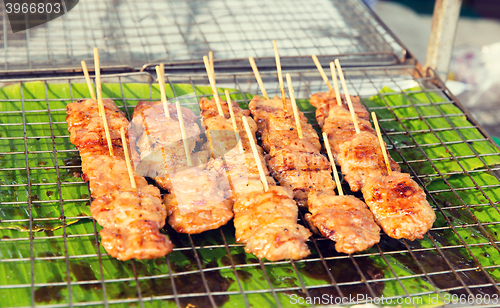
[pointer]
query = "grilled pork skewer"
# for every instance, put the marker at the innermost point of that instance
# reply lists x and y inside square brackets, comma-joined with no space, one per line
[398,204]
[342,219]
[131,217]
[158,149]
[265,220]
[196,202]
[296,163]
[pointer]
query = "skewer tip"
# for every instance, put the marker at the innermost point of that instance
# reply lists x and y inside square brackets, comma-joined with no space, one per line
[382,143]
[255,153]
[332,162]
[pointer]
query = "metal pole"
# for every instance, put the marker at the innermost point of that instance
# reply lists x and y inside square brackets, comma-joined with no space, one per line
[444,27]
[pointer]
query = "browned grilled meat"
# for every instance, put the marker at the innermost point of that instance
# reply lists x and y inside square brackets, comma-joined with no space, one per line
[339,127]
[267,223]
[397,202]
[221,136]
[131,217]
[297,164]
[361,157]
[157,144]
[197,202]
[324,102]
[301,168]
[345,220]
[209,109]
[86,127]
[399,206]
[276,127]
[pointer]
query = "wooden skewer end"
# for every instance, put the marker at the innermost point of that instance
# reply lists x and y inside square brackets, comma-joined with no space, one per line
[255,154]
[332,162]
[127,158]
[183,133]
[382,143]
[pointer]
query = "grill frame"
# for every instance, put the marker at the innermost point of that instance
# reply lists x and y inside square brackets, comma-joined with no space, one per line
[308,82]
[152,38]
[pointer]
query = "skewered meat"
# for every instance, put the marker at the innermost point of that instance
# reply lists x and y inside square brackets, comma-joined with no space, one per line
[267,223]
[345,220]
[86,127]
[325,101]
[301,168]
[298,165]
[209,109]
[131,217]
[157,144]
[221,136]
[399,206]
[278,129]
[361,157]
[197,203]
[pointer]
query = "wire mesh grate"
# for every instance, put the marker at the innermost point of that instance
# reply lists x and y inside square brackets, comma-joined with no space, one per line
[57,261]
[132,33]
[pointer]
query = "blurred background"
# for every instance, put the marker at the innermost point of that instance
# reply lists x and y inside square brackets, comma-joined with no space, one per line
[474,74]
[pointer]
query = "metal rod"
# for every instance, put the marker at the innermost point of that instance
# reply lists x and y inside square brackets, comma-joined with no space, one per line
[444,28]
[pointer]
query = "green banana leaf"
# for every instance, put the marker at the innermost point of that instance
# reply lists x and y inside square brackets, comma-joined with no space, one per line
[76,269]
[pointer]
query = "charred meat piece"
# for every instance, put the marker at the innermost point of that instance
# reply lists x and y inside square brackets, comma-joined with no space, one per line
[345,220]
[399,206]
[300,168]
[86,126]
[157,144]
[198,200]
[221,135]
[267,223]
[325,101]
[276,127]
[361,157]
[131,217]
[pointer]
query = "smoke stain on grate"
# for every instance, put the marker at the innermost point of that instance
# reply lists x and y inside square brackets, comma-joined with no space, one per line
[83,272]
[49,294]
[75,162]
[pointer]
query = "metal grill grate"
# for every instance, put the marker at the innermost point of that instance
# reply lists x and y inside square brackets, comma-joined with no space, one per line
[132,33]
[432,139]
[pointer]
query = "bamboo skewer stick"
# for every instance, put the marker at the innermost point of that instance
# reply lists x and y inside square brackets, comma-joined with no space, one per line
[294,105]
[335,84]
[211,79]
[280,75]
[233,120]
[87,79]
[211,61]
[322,72]
[183,133]
[257,76]
[102,111]
[382,143]
[348,98]
[255,153]
[161,84]
[332,162]
[127,158]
